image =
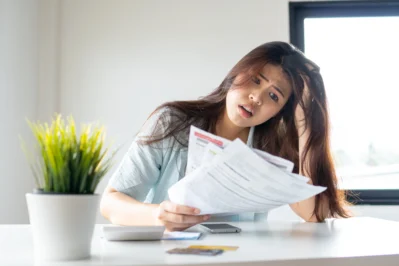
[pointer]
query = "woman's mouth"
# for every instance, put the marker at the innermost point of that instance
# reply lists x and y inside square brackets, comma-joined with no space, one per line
[245,111]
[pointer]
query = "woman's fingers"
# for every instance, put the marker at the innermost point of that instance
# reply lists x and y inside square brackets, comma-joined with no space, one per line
[177,227]
[179,217]
[181,209]
[182,218]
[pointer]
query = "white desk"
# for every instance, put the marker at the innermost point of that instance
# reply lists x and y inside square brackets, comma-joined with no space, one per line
[355,241]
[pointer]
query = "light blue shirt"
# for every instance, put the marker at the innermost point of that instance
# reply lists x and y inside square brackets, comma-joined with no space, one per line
[148,171]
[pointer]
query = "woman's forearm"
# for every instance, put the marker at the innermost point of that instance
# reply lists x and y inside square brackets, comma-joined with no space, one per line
[124,210]
[305,208]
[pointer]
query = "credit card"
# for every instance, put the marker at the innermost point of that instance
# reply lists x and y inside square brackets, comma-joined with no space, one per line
[195,251]
[225,248]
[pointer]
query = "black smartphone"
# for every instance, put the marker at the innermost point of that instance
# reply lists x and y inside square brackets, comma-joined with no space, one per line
[217,228]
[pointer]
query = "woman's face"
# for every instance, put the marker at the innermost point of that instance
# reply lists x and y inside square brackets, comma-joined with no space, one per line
[259,99]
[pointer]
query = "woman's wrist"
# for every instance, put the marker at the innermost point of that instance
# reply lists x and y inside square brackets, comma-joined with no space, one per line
[145,213]
[153,210]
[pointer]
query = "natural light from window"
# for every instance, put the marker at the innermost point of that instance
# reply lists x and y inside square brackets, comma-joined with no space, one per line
[359,61]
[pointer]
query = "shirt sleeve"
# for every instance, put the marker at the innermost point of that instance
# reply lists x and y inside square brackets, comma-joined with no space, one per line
[141,166]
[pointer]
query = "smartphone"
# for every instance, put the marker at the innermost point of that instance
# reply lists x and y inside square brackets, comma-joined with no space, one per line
[217,228]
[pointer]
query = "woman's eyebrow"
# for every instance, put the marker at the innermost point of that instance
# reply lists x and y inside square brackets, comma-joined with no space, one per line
[277,88]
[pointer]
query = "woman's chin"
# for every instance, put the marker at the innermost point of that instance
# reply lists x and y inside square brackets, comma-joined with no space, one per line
[242,123]
[239,121]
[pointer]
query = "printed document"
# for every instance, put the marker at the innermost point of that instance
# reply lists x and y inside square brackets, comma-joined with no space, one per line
[230,177]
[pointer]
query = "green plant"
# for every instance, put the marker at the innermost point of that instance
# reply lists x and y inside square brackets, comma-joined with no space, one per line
[66,162]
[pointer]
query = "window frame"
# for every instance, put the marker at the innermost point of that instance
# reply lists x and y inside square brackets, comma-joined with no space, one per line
[298,11]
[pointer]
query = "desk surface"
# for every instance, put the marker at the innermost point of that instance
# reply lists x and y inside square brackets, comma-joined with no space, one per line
[355,241]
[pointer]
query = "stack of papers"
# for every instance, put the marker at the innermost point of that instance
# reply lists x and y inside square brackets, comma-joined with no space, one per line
[225,177]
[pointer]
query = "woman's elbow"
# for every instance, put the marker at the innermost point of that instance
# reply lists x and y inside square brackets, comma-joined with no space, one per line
[312,219]
[103,209]
[104,203]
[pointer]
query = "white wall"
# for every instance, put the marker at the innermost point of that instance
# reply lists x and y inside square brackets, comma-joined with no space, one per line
[18,100]
[115,61]
[49,42]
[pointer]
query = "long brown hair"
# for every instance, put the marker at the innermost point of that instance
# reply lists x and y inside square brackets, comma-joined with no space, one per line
[278,135]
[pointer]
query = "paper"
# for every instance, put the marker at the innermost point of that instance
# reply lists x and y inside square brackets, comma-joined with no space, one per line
[181,235]
[203,146]
[210,151]
[198,141]
[233,178]
[277,161]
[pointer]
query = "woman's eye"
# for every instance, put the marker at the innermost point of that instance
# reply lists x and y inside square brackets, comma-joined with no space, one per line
[256,80]
[273,96]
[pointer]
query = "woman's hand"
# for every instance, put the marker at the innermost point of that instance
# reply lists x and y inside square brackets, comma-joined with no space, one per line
[178,217]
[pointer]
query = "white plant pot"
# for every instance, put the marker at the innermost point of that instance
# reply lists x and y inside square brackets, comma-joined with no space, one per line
[62,225]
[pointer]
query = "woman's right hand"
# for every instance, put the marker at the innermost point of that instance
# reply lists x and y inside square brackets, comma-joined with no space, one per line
[178,217]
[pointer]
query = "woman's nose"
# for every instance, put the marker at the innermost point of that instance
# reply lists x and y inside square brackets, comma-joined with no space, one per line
[255,98]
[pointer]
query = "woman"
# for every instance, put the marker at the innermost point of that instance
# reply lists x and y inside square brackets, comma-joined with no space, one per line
[273,99]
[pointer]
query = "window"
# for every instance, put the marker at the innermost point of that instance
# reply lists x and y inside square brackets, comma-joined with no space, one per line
[356,45]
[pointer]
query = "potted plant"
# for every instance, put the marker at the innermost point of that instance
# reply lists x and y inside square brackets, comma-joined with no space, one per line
[67,170]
